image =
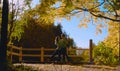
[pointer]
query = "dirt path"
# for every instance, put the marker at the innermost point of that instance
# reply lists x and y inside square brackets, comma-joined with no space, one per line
[55,67]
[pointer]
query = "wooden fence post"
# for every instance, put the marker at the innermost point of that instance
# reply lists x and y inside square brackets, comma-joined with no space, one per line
[20,55]
[91,48]
[42,54]
[11,50]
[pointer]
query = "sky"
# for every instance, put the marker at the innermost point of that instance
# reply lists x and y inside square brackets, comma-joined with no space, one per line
[82,35]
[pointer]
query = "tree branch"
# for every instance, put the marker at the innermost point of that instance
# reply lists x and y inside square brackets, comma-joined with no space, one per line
[97,5]
[105,17]
[113,9]
[91,10]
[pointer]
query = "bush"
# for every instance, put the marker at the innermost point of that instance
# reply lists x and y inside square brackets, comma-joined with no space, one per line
[104,55]
[85,55]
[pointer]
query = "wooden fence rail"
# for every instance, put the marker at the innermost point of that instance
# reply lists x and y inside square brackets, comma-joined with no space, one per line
[42,54]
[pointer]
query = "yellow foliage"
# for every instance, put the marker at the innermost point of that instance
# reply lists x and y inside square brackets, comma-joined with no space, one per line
[83,25]
[112,39]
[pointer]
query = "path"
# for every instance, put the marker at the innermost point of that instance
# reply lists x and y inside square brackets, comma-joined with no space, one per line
[55,67]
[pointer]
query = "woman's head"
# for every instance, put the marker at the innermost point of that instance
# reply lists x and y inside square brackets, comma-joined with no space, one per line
[57,38]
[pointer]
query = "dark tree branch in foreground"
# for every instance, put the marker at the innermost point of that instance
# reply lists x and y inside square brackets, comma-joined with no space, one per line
[105,17]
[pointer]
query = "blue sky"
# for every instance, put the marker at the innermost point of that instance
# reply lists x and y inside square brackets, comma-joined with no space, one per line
[81,36]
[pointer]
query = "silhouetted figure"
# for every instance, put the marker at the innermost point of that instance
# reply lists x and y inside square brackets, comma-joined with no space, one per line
[57,51]
[63,44]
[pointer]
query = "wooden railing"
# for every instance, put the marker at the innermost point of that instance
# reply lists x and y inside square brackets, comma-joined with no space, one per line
[12,52]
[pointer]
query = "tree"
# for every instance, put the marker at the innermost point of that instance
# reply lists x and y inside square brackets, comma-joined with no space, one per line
[3,43]
[112,39]
[16,10]
[90,10]
[32,22]
[13,15]
[107,9]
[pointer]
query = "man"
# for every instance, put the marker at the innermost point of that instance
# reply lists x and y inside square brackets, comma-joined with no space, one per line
[63,44]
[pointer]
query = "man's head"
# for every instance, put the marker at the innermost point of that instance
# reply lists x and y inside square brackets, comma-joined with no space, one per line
[62,35]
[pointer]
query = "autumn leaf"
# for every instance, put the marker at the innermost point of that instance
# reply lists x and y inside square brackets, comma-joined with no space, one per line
[83,25]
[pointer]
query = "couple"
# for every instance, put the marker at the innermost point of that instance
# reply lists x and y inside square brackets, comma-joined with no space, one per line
[62,45]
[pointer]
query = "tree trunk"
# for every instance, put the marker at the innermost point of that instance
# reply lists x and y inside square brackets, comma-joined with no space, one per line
[3,43]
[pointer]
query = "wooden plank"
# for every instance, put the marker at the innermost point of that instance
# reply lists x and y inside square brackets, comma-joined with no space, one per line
[68,55]
[37,49]
[13,53]
[49,49]
[31,55]
[20,55]
[42,54]
[68,49]
[48,55]
[31,49]
[37,55]
[77,49]
[14,47]
[74,55]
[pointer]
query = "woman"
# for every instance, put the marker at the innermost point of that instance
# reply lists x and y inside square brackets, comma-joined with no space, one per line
[57,51]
